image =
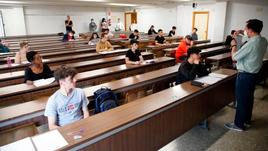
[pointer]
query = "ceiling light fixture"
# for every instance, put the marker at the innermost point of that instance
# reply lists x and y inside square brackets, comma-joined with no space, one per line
[122,4]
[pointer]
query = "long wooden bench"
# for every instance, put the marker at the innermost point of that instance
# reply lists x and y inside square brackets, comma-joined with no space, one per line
[63,53]
[55,62]
[33,111]
[214,51]
[169,51]
[59,50]
[22,92]
[151,122]
[106,60]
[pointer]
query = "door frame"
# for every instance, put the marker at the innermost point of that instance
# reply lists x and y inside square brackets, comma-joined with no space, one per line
[193,21]
[132,14]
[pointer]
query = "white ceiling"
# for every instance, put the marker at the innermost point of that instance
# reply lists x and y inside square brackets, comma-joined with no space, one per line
[115,3]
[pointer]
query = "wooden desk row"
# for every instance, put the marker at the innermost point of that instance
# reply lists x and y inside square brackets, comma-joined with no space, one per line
[11,95]
[58,61]
[57,44]
[60,50]
[57,54]
[33,111]
[153,121]
[105,60]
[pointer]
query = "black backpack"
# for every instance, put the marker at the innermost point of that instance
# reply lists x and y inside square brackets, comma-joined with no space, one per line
[105,100]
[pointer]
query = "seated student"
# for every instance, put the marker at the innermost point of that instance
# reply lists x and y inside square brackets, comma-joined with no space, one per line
[103,44]
[229,38]
[3,47]
[194,34]
[21,55]
[133,55]
[68,104]
[172,32]
[181,51]
[37,69]
[134,35]
[151,31]
[69,36]
[110,34]
[94,39]
[192,67]
[160,39]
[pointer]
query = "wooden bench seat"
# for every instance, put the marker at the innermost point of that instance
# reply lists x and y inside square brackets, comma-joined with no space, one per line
[17,77]
[75,61]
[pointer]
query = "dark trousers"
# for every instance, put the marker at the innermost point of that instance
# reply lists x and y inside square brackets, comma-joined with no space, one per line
[244,91]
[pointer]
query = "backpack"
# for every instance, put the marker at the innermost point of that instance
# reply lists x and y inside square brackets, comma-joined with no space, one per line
[105,99]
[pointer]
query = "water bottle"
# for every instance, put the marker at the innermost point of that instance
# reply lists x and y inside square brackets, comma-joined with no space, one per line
[9,62]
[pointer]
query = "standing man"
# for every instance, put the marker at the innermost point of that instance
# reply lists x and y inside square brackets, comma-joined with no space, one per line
[92,25]
[249,61]
[172,32]
[119,25]
[194,34]
[69,24]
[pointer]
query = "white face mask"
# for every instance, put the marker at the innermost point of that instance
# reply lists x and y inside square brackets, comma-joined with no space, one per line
[246,34]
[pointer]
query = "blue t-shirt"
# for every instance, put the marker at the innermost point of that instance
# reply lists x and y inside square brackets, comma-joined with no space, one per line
[66,109]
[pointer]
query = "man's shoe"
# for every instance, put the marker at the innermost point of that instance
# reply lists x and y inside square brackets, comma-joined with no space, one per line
[247,125]
[232,126]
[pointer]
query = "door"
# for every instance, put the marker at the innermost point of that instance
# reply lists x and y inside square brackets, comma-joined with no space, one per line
[2,29]
[130,17]
[200,21]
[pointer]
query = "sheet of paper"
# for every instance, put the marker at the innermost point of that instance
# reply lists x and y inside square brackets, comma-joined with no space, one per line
[24,144]
[208,80]
[45,60]
[217,75]
[49,141]
[43,82]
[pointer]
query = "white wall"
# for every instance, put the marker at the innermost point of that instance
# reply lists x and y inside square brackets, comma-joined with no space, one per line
[217,15]
[14,21]
[163,18]
[45,20]
[239,13]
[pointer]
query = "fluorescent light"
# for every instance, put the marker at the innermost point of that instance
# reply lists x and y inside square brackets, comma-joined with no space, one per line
[11,2]
[90,0]
[122,4]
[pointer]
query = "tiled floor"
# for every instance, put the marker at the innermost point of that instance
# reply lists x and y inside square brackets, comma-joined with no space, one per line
[219,138]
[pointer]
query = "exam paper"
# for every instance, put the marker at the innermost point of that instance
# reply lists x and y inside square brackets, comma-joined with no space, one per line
[49,141]
[208,80]
[218,75]
[23,144]
[43,82]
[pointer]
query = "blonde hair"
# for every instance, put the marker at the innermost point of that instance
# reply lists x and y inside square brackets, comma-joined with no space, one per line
[23,43]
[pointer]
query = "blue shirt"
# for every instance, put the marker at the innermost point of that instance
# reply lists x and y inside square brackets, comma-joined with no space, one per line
[250,56]
[66,109]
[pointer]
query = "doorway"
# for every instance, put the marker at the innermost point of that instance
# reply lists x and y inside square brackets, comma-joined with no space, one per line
[200,21]
[130,18]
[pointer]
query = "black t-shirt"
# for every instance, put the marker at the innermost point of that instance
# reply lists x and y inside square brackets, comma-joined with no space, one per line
[229,39]
[133,56]
[159,39]
[151,31]
[31,76]
[132,36]
[68,28]
[171,33]
[189,71]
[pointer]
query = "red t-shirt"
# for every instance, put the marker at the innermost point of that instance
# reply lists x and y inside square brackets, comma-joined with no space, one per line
[182,49]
